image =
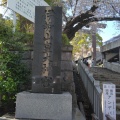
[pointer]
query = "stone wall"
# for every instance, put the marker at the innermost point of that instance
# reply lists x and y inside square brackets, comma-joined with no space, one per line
[67,73]
[112,66]
[28,57]
[66,69]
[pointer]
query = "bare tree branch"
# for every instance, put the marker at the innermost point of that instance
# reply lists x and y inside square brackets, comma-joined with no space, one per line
[65,16]
[72,30]
[115,9]
[75,8]
[81,17]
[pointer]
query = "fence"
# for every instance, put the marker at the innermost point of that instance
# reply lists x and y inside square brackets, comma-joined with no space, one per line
[94,92]
[92,88]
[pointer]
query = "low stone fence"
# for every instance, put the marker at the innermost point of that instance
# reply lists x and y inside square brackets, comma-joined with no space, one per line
[112,66]
[27,57]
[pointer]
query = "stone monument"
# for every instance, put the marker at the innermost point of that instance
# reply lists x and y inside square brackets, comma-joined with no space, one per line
[47,50]
[46,100]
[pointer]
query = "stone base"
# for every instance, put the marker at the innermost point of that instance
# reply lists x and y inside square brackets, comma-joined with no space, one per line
[44,106]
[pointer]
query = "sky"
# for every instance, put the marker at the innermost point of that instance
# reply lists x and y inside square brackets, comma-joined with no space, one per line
[107,33]
[110,31]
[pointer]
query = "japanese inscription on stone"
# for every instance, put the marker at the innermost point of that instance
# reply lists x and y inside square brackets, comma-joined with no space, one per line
[109,100]
[47,50]
[47,43]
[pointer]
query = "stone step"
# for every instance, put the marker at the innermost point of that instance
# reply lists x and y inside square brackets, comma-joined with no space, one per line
[117,94]
[117,86]
[117,89]
[117,99]
[108,76]
[117,106]
[105,78]
[115,82]
[117,115]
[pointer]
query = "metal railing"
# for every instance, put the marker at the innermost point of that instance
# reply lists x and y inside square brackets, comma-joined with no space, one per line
[94,92]
[93,89]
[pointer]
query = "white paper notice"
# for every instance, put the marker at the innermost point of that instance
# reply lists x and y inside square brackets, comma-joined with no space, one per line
[26,8]
[109,100]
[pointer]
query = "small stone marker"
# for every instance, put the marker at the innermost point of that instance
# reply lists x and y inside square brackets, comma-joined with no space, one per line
[109,100]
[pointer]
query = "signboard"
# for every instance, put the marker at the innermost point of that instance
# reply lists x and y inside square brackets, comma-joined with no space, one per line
[109,100]
[26,8]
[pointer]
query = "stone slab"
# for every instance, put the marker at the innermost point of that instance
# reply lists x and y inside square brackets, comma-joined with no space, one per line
[44,106]
[77,115]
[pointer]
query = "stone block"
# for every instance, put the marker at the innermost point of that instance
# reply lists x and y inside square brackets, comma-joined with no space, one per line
[66,65]
[44,106]
[32,53]
[66,56]
[28,63]
[26,55]
[67,48]
[67,76]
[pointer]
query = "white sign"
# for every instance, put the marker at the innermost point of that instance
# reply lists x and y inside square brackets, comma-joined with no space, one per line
[26,8]
[109,100]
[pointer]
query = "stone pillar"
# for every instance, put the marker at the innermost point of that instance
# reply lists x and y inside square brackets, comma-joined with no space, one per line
[119,55]
[94,47]
[67,73]
[103,57]
[46,68]
[0,100]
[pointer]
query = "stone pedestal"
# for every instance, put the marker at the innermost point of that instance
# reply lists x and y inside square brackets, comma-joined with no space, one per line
[44,106]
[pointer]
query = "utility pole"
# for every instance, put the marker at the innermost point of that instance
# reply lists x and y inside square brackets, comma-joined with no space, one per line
[93,31]
[94,42]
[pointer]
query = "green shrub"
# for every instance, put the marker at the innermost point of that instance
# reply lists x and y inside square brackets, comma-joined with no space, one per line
[14,75]
[65,40]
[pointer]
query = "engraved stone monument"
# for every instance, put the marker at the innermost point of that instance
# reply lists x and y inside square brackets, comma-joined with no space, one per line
[47,50]
[46,100]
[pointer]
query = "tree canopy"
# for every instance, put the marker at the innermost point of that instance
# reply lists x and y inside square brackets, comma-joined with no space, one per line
[84,41]
[87,11]
[79,13]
